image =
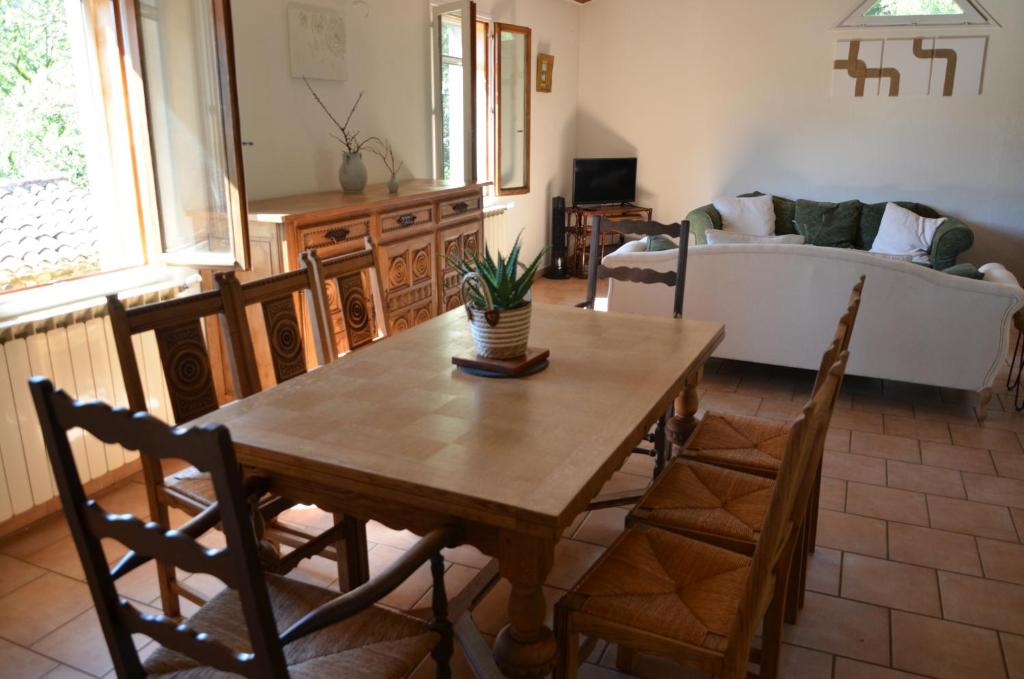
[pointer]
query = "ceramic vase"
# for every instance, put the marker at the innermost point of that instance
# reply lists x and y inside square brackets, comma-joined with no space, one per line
[393,183]
[352,173]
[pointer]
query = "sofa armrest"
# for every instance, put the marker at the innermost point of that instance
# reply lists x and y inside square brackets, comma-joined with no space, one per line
[951,240]
[702,219]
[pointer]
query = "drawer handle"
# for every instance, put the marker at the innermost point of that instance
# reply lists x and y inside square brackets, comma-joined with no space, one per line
[407,219]
[461,206]
[337,235]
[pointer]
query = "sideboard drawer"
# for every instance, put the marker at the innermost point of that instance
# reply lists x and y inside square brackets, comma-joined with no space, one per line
[458,207]
[334,233]
[419,215]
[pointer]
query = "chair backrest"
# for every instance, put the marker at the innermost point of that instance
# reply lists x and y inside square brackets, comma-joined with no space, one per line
[676,278]
[844,333]
[277,297]
[786,508]
[208,448]
[184,353]
[340,279]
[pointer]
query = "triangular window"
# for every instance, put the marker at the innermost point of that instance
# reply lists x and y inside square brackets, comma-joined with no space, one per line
[917,12]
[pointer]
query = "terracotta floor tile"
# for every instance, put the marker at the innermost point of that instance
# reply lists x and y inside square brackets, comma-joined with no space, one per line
[35,537]
[602,526]
[884,445]
[854,468]
[467,555]
[962,414]
[641,465]
[924,479]
[649,667]
[766,387]
[1009,421]
[1009,464]
[36,609]
[850,533]
[912,427]
[853,669]
[65,672]
[125,498]
[14,573]
[934,548]
[621,481]
[838,440]
[775,409]
[456,579]
[947,650]
[886,406]
[823,568]
[995,489]
[803,663]
[1013,651]
[842,627]
[140,584]
[987,603]
[730,403]
[491,613]
[410,591]
[1002,560]
[572,559]
[80,643]
[61,556]
[993,439]
[949,456]
[887,583]
[857,420]
[833,493]
[975,518]
[381,534]
[20,663]
[574,526]
[886,503]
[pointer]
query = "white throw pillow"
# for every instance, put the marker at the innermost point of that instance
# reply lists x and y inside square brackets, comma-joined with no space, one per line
[903,232]
[718,237]
[754,215]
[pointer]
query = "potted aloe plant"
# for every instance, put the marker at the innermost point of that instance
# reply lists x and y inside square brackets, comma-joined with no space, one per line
[497,300]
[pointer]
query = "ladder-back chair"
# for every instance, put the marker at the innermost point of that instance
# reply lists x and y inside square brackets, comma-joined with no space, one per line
[704,607]
[237,631]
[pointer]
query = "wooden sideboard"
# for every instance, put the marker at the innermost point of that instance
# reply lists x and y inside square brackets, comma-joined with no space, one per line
[412,232]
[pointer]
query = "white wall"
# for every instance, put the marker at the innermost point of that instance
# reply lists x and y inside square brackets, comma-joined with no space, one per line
[389,60]
[727,96]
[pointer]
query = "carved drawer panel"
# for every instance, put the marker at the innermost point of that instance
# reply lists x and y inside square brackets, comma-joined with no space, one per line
[335,238]
[408,275]
[419,215]
[454,208]
[455,242]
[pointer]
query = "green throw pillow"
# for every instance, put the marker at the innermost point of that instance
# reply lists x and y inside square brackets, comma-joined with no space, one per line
[828,224]
[966,270]
[659,243]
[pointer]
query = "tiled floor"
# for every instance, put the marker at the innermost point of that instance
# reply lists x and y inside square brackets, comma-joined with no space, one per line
[919,569]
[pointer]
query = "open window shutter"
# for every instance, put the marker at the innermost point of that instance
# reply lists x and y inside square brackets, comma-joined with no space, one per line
[188,70]
[453,57]
[909,13]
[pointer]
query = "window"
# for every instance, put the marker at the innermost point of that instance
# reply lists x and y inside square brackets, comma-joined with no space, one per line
[917,12]
[66,189]
[455,82]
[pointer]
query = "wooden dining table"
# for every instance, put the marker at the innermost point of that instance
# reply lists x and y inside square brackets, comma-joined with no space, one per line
[395,433]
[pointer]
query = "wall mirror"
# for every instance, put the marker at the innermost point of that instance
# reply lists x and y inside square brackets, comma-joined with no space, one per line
[512,108]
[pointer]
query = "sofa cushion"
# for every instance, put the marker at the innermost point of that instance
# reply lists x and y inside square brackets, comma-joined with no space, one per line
[828,224]
[871,219]
[904,232]
[754,215]
[785,212]
[659,242]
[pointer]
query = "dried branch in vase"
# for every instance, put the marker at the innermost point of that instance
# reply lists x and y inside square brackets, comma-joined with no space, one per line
[349,138]
[383,150]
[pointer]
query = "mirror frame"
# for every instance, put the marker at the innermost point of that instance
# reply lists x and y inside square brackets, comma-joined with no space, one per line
[499,28]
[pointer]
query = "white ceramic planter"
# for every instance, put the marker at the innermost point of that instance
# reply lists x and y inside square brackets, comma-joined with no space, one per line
[497,333]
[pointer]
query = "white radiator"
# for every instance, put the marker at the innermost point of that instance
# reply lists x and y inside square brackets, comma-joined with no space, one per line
[497,229]
[80,358]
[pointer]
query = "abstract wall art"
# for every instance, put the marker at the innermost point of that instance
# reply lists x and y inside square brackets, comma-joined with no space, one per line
[316,42]
[909,67]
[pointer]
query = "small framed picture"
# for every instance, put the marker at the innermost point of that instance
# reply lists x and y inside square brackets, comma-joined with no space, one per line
[545,71]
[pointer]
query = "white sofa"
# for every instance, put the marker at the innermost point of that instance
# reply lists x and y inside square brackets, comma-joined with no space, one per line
[780,304]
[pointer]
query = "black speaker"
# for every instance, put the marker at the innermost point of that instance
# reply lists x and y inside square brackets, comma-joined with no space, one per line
[558,268]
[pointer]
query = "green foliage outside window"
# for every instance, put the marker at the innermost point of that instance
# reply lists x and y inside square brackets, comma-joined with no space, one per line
[889,8]
[38,104]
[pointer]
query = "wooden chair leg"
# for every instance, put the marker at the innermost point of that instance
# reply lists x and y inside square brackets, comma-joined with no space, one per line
[353,559]
[624,659]
[771,634]
[568,644]
[794,577]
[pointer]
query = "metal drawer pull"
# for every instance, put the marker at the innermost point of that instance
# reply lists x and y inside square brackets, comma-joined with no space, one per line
[407,219]
[461,206]
[337,235]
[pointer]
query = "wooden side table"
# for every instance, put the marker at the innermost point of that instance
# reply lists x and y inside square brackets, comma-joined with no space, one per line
[577,230]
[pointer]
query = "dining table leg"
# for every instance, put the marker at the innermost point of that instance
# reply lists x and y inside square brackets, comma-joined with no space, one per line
[687,404]
[526,647]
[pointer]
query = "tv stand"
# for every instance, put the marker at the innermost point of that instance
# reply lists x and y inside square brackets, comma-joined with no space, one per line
[578,221]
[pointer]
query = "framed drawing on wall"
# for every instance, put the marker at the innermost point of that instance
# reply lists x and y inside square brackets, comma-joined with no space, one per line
[545,71]
[316,42]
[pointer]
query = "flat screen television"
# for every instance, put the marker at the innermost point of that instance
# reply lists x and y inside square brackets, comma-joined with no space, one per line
[602,181]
